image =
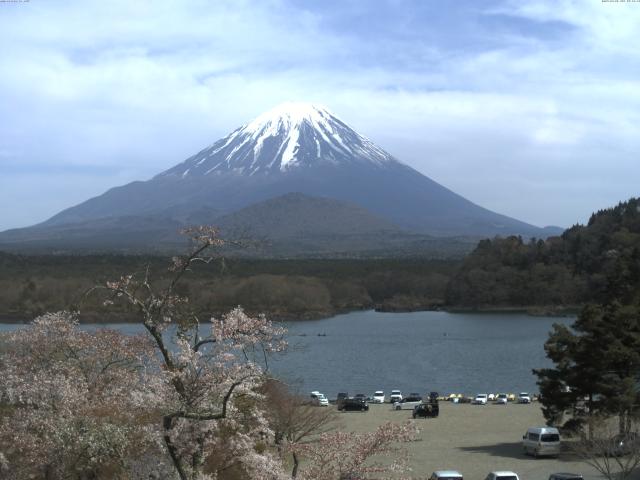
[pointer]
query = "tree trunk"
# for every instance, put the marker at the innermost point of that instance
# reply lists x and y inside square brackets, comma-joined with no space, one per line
[590,417]
[173,451]
[198,459]
[296,464]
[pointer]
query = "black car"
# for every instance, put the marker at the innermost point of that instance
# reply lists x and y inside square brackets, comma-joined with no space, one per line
[342,396]
[426,410]
[624,444]
[353,404]
[566,476]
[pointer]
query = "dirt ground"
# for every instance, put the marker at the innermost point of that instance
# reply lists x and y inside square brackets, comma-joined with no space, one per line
[472,439]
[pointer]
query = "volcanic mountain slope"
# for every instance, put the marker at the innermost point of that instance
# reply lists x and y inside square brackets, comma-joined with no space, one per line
[293,148]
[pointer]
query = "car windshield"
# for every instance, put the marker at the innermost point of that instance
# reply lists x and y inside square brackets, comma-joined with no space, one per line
[502,395]
[507,477]
[550,437]
[379,394]
[395,392]
[523,394]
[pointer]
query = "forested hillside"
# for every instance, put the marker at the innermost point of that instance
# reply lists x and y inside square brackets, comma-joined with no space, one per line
[31,285]
[583,265]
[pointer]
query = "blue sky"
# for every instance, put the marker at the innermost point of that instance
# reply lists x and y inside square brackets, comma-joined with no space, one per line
[531,109]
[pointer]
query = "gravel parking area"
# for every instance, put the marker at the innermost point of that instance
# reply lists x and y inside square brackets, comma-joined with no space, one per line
[473,439]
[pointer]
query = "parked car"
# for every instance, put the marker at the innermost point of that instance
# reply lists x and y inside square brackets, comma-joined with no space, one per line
[502,399]
[491,397]
[446,475]
[566,476]
[480,399]
[361,396]
[539,441]
[396,396]
[342,396]
[502,475]
[426,410]
[523,397]
[511,397]
[320,399]
[354,404]
[378,397]
[624,444]
[408,403]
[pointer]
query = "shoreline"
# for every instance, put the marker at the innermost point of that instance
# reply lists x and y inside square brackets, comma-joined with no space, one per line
[533,311]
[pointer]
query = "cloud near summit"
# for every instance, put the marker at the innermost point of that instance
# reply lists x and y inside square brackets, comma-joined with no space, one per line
[530,109]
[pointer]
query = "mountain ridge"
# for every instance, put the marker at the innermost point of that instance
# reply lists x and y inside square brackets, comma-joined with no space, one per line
[292,148]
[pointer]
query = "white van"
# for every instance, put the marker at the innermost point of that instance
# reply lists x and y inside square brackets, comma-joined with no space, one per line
[539,441]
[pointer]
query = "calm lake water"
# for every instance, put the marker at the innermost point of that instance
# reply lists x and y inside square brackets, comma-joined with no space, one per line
[416,352]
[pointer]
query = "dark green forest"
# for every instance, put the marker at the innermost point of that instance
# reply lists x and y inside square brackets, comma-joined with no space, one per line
[541,276]
[581,266]
[286,289]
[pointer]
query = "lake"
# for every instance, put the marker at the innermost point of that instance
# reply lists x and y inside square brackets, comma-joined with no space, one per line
[360,352]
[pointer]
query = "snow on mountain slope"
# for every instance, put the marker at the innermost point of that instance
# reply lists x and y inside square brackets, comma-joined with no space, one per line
[291,135]
[295,147]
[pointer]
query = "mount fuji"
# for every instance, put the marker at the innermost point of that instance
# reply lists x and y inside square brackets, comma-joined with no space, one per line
[341,180]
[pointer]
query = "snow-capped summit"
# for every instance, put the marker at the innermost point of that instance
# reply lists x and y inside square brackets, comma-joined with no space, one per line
[289,136]
[296,169]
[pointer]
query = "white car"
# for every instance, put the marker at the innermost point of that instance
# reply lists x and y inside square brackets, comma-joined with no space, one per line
[446,475]
[396,396]
[481,399]
[492,397]
[407,403]
[378,397]
[541,441]
[502,475]
[523,397]
[320,399]
[502,399]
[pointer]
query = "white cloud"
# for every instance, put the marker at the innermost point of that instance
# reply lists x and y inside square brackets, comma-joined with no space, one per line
[130,89]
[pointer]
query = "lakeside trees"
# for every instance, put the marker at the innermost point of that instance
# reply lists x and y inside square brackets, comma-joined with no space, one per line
[597,360]
[185,401]
[281,288]
[597,364]
[586,264]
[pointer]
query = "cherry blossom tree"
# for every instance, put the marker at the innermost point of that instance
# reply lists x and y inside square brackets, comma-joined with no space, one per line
[208,385]
[73,403]
[358,456]
[80,404]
